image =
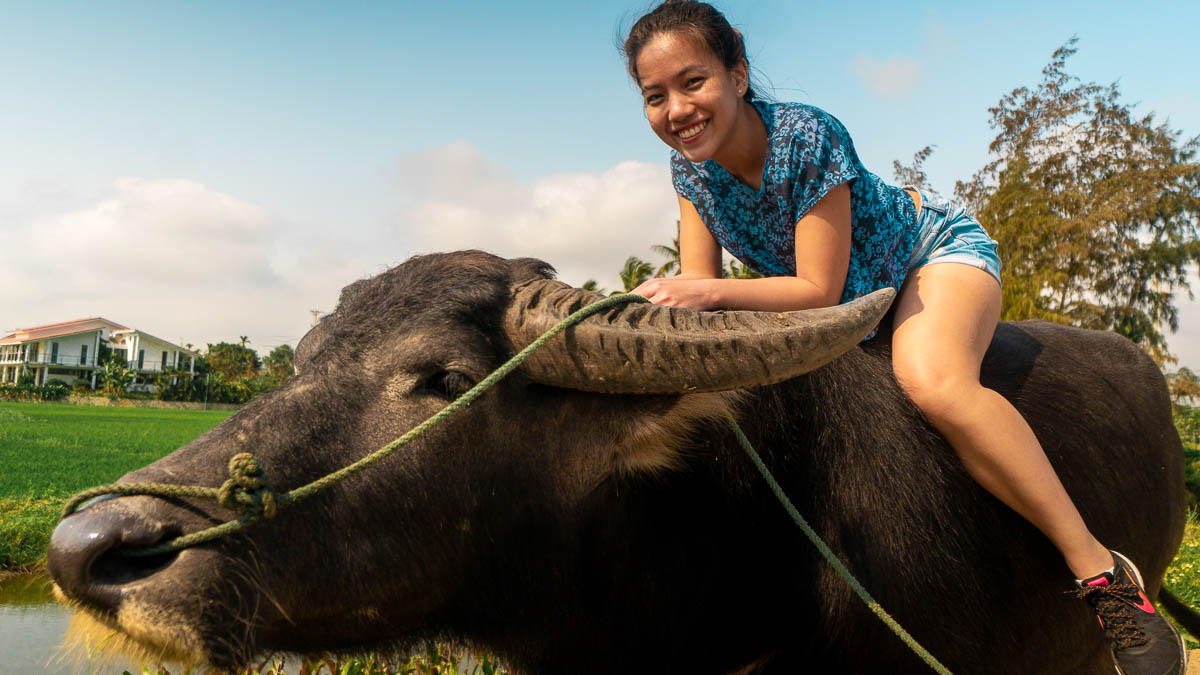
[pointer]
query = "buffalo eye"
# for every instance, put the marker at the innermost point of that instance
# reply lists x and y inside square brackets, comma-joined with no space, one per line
[445,383]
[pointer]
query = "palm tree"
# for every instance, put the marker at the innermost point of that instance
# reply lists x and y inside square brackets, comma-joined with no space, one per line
[244,340]
[635,272]
[672,254]
[591,285]
[740,271]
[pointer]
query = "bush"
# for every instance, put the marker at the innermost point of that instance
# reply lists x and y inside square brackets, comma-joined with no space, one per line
[1191,477]
[116,377]
[54,390]
[1187,423]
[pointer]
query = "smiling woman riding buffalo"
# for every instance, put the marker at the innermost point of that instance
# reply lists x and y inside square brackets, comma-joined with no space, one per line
[781,186]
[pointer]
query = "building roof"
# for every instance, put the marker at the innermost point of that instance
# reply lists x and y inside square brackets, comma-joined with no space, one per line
[50,330]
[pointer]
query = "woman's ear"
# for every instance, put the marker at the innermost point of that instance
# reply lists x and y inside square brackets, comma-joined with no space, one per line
[741,76]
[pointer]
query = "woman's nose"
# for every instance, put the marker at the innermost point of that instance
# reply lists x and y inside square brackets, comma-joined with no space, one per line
[679,108]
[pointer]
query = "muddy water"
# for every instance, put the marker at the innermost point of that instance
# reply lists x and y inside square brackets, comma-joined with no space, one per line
[32,626]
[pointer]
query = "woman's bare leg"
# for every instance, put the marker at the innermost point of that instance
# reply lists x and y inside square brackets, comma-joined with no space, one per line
[945,318]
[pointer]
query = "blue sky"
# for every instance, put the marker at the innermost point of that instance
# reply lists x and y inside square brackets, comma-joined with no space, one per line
[209,170]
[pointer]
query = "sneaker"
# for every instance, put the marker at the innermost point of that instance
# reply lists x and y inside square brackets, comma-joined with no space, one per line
[1143,642]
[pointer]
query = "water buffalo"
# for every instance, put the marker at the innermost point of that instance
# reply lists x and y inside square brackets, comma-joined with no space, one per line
[593,513]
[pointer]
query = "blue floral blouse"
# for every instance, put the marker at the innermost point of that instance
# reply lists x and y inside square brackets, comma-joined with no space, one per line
[809,153]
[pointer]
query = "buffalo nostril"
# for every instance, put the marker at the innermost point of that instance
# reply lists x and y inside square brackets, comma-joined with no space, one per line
[85,554]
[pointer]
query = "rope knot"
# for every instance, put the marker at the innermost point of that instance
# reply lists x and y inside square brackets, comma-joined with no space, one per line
[247,490]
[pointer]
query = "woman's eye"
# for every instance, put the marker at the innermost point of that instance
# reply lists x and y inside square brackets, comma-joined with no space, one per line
[445,383]
[653,99]
[694,82]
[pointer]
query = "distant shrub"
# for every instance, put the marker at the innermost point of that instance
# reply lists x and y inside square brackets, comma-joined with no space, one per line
[1187,423]
[54,390]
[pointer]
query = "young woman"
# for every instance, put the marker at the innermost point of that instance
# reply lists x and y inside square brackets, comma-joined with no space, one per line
[781,187]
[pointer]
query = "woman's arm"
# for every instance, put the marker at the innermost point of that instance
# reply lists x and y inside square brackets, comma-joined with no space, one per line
[699,252]
[822,259]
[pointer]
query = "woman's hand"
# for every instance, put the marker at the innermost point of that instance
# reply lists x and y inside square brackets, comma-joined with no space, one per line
[676,292]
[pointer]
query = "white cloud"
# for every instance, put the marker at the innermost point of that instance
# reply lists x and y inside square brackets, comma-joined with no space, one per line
[585,224]
[169,231]
[890,78]
[180,260]
[174,258]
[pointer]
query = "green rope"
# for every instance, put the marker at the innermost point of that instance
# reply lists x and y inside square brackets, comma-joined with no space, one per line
[832,557]
[248,490]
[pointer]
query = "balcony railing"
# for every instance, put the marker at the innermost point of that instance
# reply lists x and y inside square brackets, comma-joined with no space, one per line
[48,360]
[148,364]
[65,361]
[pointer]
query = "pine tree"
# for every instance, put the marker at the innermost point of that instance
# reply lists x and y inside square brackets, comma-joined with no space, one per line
[1095,209]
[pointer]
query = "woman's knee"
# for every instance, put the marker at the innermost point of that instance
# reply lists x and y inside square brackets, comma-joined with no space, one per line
[936,389]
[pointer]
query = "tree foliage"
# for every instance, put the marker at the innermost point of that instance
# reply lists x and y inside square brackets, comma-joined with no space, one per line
[914,174]
[591,285]
[671,253]
[1095,208]
[116,377]
[634,272]
[232,361]
[279,365]
[1184,386]
[736,270]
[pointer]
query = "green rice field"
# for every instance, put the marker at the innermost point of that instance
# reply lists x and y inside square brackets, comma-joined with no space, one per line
[49,452]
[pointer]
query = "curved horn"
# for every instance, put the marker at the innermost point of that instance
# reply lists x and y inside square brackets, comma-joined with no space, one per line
[652,349]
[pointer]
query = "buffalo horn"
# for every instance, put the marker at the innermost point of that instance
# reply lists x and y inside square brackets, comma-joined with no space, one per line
[651,349]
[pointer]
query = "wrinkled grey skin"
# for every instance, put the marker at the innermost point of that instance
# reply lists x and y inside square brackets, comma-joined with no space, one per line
[580,532]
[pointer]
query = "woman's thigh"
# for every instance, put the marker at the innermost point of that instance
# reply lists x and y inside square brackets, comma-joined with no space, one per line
[945,317]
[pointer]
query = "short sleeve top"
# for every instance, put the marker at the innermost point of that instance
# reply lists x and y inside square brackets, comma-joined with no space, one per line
[809,153]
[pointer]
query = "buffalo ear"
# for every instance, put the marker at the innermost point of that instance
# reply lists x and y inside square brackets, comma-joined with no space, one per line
[525,270]
[655,434]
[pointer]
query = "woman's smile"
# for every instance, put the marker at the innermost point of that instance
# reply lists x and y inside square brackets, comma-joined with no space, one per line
[691,133]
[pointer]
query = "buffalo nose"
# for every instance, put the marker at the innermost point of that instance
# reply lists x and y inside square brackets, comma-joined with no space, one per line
[85,553]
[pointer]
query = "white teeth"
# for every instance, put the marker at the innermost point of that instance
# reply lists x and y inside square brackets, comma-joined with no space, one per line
[692,131]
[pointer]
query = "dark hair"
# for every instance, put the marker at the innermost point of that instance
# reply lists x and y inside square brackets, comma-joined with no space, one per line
[698,19]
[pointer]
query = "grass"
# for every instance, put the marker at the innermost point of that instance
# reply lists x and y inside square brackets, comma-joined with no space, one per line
[49,452]
[1183,575]
[52,450]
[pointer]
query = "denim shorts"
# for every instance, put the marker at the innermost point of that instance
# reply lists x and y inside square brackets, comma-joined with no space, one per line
[946,233]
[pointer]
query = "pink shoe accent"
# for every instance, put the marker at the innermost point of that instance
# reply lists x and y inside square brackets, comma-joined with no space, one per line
[1098,581]
[1146,606]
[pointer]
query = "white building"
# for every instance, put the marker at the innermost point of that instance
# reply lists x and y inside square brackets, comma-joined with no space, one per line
[67,351]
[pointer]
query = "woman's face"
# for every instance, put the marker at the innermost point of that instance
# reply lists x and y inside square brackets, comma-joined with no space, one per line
[691,100]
